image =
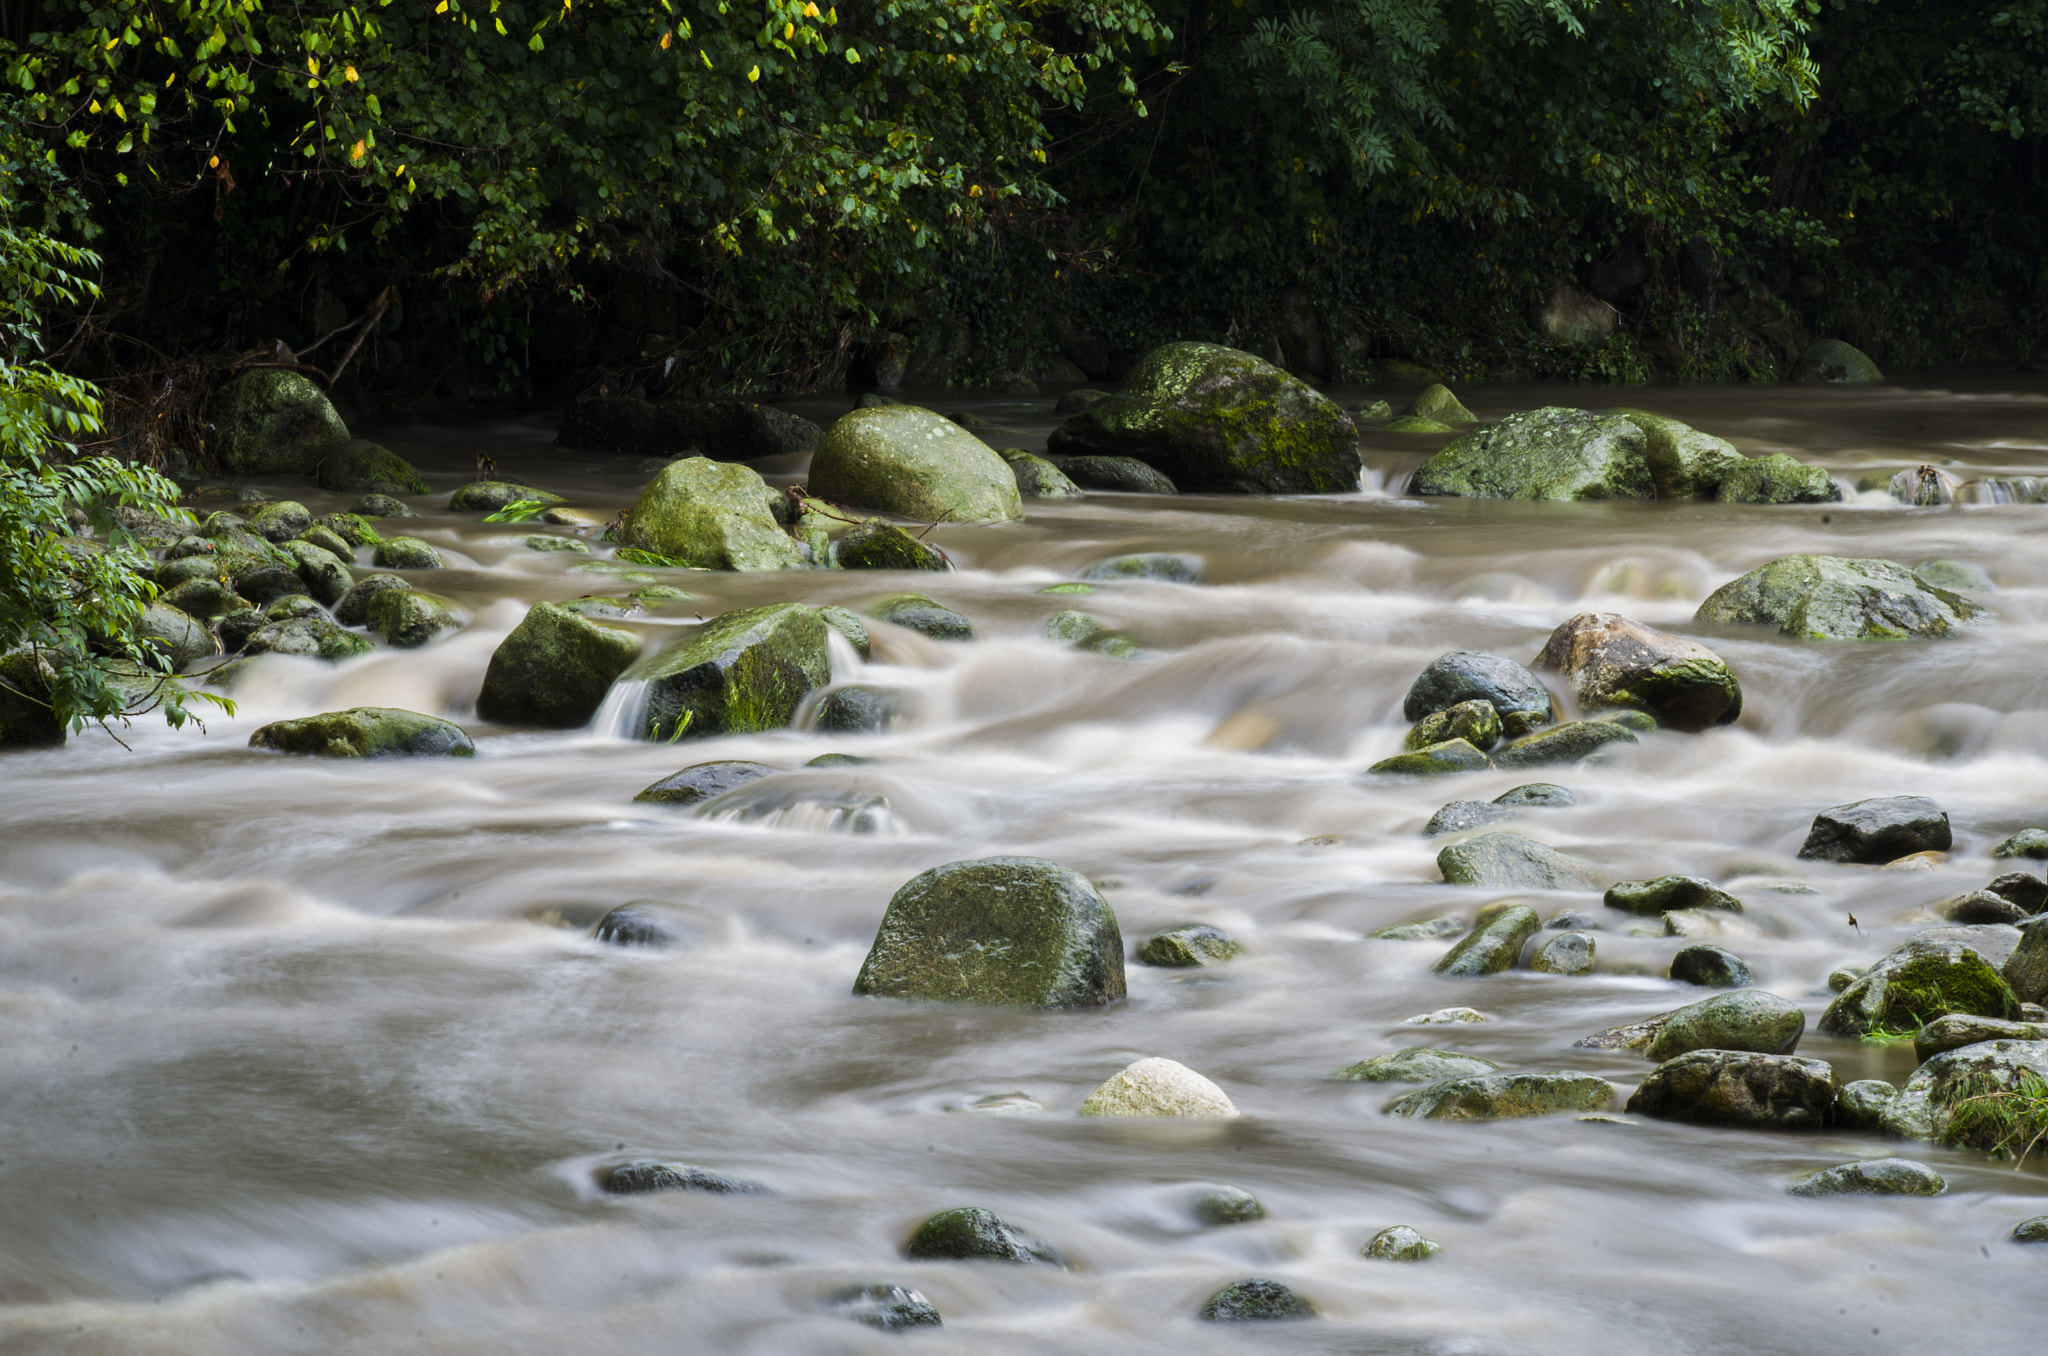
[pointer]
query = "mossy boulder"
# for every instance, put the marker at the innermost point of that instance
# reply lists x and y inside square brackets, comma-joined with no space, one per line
[1921,980]
[1879,830]
[181,639]
[407,619]
[1957,1030]
[204,598]
[1400,1243]
[1509,861]
[309,637]
[1475,722]
[924,616]
[1711,967]
[327,576]
[635,1179]
[366,732]
[359,466]
[1038,478]
[352,528]
[26,718]
[1158,1087]
[269,421]
[1568,953]
[1222,1205]
[974,1234]
[1197,944]
[876,545]
[738,673]
[856,709]
[1988,1095]
[1436,402]
[1493,946]
[2026,969]
[279,521]
[1570,742]
[380,506]
[1872,1177]
[1729,1087]
[1749,1019]
[1547,454]
[1412,423]
[406,553]
[1836,362]
[1161,567]
[554,669]
[1500,1096]
[1777,479]
[1461,815]
[1126,475]
[702,781]
[1006,931]
[1255,1301]
[914,464]
[2031,843]
[1435,760]
[1417,1064]
[354,607]
[712,515]
[1517,697]
[330,541]
[1838,598]
[1611,661]
[1667,894]
[1071,625]
[1219,420]
[488,496]
[1684,462]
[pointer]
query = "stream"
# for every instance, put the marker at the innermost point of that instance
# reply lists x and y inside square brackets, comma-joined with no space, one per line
[305,1056]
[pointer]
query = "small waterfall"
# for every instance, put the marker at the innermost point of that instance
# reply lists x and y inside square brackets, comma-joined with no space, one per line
[1924,487]
[623,715]
[2011,490]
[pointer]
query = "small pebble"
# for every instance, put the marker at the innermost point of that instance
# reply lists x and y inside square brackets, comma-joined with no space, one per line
[1399,1243]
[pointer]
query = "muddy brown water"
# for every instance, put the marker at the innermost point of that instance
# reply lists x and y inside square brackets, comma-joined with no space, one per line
[300,1056]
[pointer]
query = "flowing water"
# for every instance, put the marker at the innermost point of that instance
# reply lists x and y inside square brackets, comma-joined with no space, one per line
[303,1056]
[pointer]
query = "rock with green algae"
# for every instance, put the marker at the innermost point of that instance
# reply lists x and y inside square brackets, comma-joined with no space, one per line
[1989,1095]
[1159,1087]
[1872,1177]
[1428,930]
[2033,1230]
[1400,1243]
[1957,1030]
[547,542]
[278,522]
[1164,567]
[1924,978]
[1611,661]
[1728,1087]
[1220,1205]
[1005,931]
[330,541]
[1436,402]
[848,624]
[1493,945]
[876,545]
[1509,861]
[1410,423]
[406,553]
[1873,832]
[1071,625]
[1748,1019]
[1515,694]
[366,732]
[1182,948]
[1219,420]
[204,598]
[181,639]
[1838,598]
[1666,894]
[270,421]
[312,637]
[915,464]
[408,619]
[634,1179]
[1500,1096]
[354,607]
[1777,479]
[702,781]
[488,496]
[1571,742]
[1417,1064]
[554,669]
[1475,722]
[360,466]
[711,515]
[1568,953]
[353,528]
[380,506]
[1452,755]
[1711,967]
[1684,462]
[738,673]
[1255,1301]
[1126,475]
[1038,478]
[2026,969]
[326,575]
[923,615]
[1546,454]
[2031,843]
[971,1234]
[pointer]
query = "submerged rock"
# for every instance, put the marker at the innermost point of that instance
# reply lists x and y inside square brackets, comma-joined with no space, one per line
[1877,831]
[1158,1087]
[1219,420]
[1749,1019]
[1071,625]
[849,625]
[1837,598]
[890,1308]
[1711,967]
[2033,1230]
[634,1179]
[1038,478]
[1011,931]
[1569,953]
[1452,755]
[407,619]
[632,925]
[973,1234]
[1127,475]
[1461,815]
[366,732]
[1556,454]
[876,545]
[1417,1064]
[1571,742]
[1400,1243]
[1725,1087]
[1193,945]
[1653,898]
[1521,702]
[554,669]
[738,673]
[1540,794]
[915,464]
[1166,567]
[1872,1177]
[856,709]
[1492,946]
[1501,1096]
[712,515]
[1508,861]
[1255,1301]
[923,615]
[1221,1205]
[1612,661]
[702,781]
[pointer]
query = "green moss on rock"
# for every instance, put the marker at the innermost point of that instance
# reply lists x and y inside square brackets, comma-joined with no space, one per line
[712,515]
[554,669]
[1838,598]
[269,421]
[1501,1096]
[1555,453]
[738,673]
[914,464]
[360,466]
[1494,945]
[366,732]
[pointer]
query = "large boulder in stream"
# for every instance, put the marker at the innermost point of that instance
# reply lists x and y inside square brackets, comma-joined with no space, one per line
[1924,978]
[1509,861]
[915,464]
[2026,970]
[1684,462]
[359,466]
[271,421]
[974,1234]
[1006,931]
[1158,1087]
[738,673]
[1838,598]
[1749,1019]
[366,732]
[1554,453]
[1729,1087]
[714,516]
[180,639]
[1777,479]
[1612,661]
[1521,702]
[1876,831]
[406,619]
[554,669]
[1990,1095]
[1500,1096]
[1219,420]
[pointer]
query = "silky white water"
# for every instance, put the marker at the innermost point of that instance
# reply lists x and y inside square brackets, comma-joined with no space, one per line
[312,1056]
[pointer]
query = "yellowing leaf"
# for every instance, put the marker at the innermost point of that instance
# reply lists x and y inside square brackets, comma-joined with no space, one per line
[355,153]
[213,162]
[441,8]
[788,32]
[312,65]
[350,74]
[753,75]
[810,11]
[665,40]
